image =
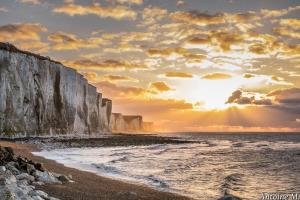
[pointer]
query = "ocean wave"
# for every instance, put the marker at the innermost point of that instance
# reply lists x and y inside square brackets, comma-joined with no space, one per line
[122,159]
[157,181]
[106,168]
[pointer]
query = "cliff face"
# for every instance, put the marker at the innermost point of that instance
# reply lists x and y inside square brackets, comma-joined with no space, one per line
[127,123]
[39,96]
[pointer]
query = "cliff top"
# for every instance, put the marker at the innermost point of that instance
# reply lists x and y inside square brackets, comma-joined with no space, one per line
[11,48]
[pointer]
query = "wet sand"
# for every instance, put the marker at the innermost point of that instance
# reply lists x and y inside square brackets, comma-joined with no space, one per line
[88,186]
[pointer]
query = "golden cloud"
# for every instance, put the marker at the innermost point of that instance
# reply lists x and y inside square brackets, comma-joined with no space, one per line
[277,13]
[114,91]
[284,31]
[91,76]
[293,23]
[152,14]
[216,76]
[173,53]
[116,12]
[178,75]
[65,41]
[35,46]
[160,86]
[94,77]
[138,2]
[241,17]
[118,78]
[15,32]
[136,36]
[104,65]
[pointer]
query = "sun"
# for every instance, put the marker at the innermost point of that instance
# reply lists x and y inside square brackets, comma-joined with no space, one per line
[206,94]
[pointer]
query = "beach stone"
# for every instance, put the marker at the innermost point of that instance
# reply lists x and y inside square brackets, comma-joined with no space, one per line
[2,169]
[38,183]
[25,176]
[63,178]
[12,167]
[36,198]
[46,177]
[39,166]
[6,155]
[7,179]
[6,194]
[39,193]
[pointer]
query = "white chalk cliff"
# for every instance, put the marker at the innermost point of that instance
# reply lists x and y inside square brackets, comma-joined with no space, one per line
[39,96]
[127,123]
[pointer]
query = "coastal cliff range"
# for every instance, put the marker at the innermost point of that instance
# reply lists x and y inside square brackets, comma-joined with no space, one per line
[39,96]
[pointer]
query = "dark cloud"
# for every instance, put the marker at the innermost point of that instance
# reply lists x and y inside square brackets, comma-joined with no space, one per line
[289,96]
[198,18]
[238,98]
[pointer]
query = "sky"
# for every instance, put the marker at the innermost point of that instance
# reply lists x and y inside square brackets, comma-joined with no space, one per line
[186,65]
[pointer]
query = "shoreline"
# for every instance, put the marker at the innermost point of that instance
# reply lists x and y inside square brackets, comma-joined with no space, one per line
[88,185]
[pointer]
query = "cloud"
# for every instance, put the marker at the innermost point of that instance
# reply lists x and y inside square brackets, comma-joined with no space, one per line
[137,2]
[197,18]
[94,77]
[153,14]
[241,17]
[216,76]
[178,75]
[293,23]
[267,13]
[174,53]
[223,39]
[135,36]
[238,98]
[104,65]
[114,78]
[27,31]
[116,12]
[290,96]
[114,91]
[124,48]
[248,75]
[35,46]
[3,9]
[180,3]
[284,31]
[200,40]
[35,2]
[258,48]
[160,86]
[65,41]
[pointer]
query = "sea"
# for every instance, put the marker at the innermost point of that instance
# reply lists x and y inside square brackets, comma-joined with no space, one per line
[246,165]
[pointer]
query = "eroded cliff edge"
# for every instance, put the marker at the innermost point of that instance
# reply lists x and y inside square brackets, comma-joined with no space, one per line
[39,96]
